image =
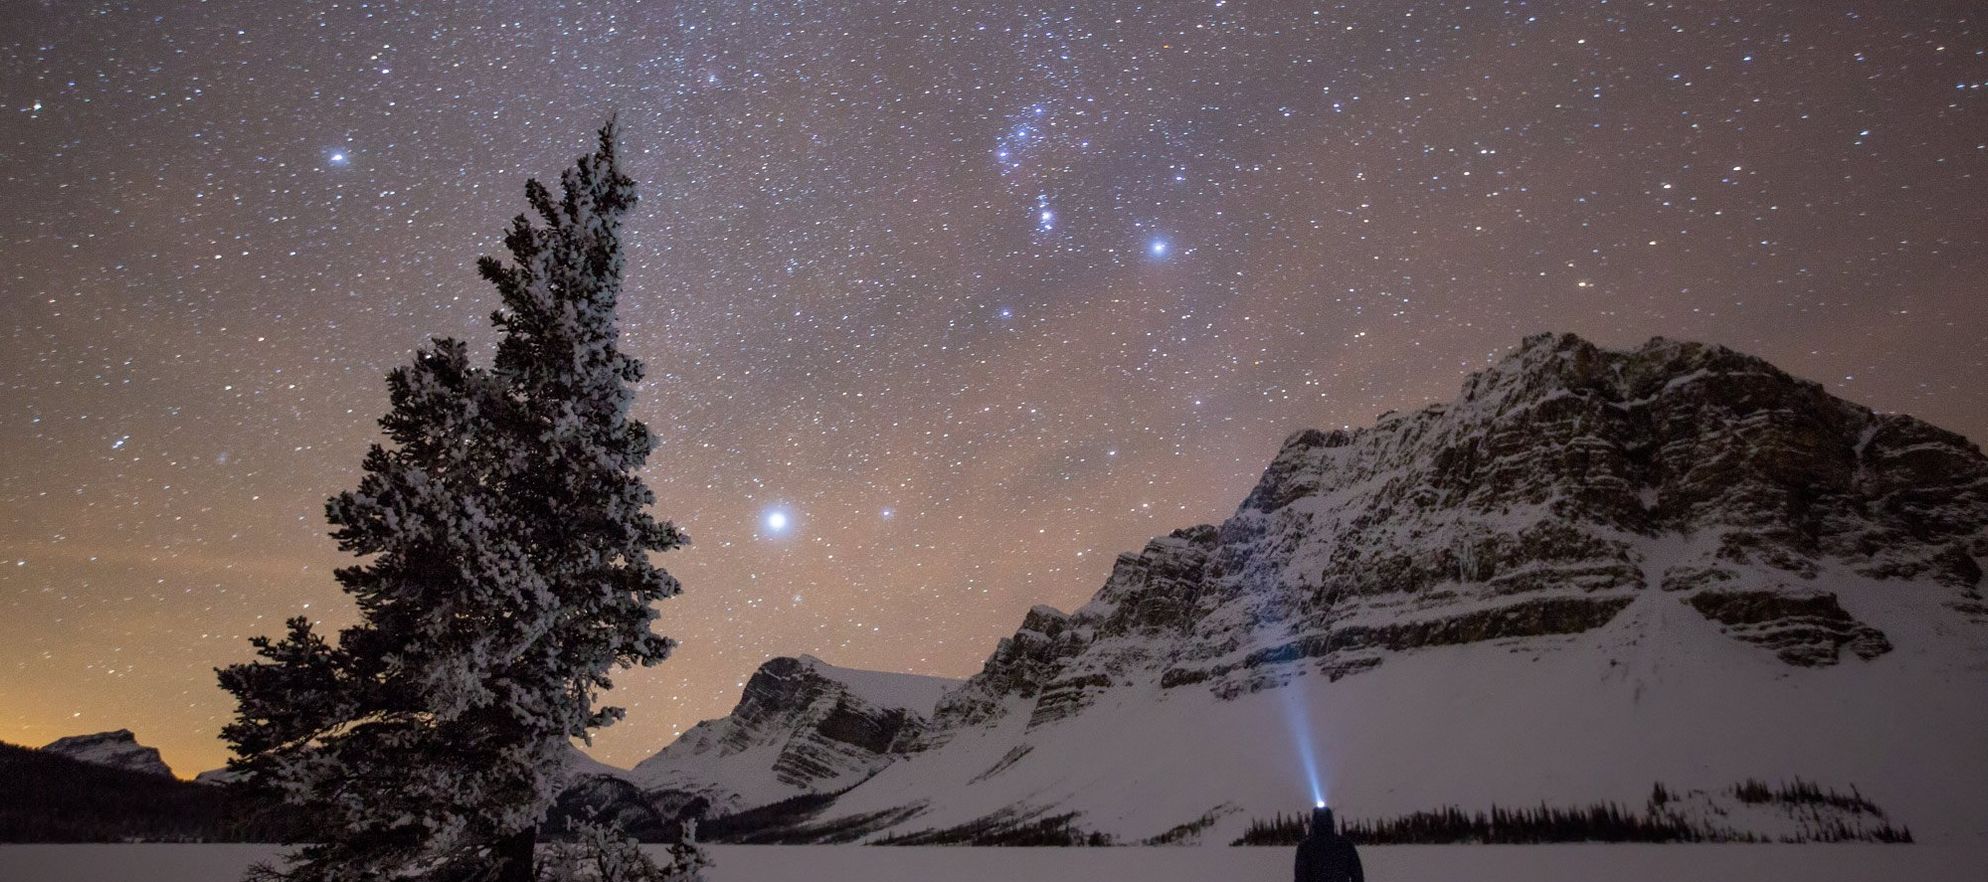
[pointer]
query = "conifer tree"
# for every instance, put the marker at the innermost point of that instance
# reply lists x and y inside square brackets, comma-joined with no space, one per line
[508,573]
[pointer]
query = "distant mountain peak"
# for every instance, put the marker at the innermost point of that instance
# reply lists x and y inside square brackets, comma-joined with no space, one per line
[801,726]
[118,749]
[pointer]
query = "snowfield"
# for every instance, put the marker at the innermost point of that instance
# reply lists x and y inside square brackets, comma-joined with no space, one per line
[1402,863]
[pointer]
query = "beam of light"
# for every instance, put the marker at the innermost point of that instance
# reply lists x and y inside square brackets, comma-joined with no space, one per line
[1292,696]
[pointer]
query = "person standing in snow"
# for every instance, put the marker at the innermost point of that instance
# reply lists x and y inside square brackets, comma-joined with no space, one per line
[1326,856]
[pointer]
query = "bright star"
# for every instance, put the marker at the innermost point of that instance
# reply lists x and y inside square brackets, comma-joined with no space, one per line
[337,157]
[776,520]
[1157,247]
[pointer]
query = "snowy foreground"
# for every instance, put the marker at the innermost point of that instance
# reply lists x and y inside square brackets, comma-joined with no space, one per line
[836,863]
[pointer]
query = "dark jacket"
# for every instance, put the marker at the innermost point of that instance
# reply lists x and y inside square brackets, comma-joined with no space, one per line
[1326,856]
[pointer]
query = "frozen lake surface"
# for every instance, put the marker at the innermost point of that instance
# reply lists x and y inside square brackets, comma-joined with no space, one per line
[1476,863]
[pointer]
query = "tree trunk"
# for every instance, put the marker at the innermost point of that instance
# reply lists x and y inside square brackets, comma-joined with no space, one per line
[514,856]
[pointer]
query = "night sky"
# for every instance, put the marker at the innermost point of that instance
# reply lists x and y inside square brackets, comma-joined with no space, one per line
[943,306]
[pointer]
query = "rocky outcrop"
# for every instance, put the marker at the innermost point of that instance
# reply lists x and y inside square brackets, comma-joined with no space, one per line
[801,726]
[117,749]
[1020,669]
[1803,629]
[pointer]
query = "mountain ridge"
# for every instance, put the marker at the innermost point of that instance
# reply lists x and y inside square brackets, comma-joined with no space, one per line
[1675,525]
[117,749]
[802,726]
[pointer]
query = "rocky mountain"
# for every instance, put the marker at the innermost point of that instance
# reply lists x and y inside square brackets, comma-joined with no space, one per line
[119,750]
[801,727]
[219,777]
[1565,483]
[1593,573]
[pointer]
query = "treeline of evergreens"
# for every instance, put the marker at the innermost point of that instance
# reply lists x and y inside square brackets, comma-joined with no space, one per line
[1280,830]
[1799,792]
[1599,822]
[49,798]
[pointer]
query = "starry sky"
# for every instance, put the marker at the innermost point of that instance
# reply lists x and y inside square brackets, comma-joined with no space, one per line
[943,305]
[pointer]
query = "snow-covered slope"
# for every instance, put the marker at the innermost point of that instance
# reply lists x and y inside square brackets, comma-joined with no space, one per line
[1594,571]
[802,726]
[119,750]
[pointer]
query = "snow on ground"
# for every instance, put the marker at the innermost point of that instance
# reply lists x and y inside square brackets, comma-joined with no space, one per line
[1405,863]
[887,689]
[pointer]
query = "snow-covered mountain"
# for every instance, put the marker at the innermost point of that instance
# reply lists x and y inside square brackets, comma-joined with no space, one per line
[219,777]
[802,726]
[119,750]
[1593,572]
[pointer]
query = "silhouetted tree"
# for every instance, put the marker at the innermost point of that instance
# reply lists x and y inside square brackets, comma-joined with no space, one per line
[507,573]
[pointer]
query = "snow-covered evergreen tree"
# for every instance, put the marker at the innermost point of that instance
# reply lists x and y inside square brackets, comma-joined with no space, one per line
[599,852]
[509,574]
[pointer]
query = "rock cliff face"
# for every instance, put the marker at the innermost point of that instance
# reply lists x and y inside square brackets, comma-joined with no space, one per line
[1566,482]
[1593,570]
[118,750]
[801,727]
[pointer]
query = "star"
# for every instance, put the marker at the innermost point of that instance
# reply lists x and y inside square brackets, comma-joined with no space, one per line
[1045,216]
[820,246]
